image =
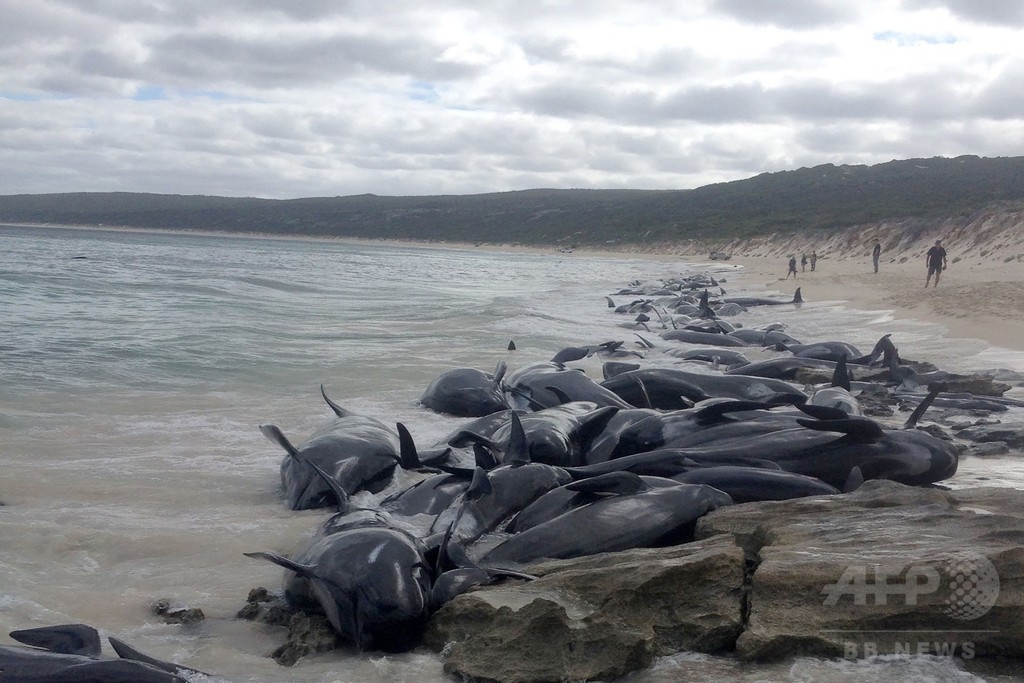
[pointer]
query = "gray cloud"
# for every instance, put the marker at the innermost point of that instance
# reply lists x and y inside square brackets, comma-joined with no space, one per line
[283,99]
[796,14]
[1000,12]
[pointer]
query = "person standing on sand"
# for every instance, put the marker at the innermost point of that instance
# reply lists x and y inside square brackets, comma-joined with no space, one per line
[792,268]
[876,253]
[936,262]
[803,261]
[814,260]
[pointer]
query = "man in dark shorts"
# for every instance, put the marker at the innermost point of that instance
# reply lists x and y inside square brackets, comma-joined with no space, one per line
[936,261]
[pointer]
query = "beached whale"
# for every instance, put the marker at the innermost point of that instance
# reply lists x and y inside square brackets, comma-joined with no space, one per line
[830,450]
[763,337]
[547,384]
[510,487]
[705,338]
[697,386]
[748,301]
[554,436]
[619,520]
[467,392]
[373,583]
[72,653]
[359,452]
[749,484]
[576,494]
[661,429]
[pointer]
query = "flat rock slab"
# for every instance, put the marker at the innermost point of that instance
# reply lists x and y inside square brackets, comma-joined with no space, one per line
[598,617]
[887,569]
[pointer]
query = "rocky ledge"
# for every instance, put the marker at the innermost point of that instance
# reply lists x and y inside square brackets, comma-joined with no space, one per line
[886,569]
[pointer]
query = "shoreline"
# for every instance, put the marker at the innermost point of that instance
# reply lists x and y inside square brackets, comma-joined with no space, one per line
[977,298]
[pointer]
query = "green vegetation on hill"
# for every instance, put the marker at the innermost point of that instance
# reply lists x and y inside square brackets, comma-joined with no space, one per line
[823,197]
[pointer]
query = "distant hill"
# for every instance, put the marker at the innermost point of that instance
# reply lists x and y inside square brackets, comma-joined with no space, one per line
[826,197]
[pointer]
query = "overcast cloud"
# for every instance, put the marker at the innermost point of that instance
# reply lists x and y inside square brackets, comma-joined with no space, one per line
[300,98]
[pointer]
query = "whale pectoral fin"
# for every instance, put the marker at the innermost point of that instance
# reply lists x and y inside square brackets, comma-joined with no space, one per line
[570,353]
[643,342]
[933,391]
[454,582]
[126,651]
[797,297]
[66,639]
[861,429]
[530,400]
[332,483]
[499,372]
[715,411]
[326,599]
[281,560]
[562,397]
[274,433]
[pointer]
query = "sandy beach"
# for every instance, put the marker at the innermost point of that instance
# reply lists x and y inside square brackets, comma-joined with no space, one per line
[979,299]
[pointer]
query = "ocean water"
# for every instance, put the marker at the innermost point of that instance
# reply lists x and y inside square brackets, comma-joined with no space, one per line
[135,368]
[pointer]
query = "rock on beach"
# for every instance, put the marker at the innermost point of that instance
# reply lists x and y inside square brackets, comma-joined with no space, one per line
[888,569]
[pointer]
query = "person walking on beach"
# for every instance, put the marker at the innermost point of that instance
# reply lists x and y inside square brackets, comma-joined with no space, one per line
[803,262]
[876,253]
[936,262]
[814,260]
[792,268]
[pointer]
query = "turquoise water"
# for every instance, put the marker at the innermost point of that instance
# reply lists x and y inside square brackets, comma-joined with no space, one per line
[135,368]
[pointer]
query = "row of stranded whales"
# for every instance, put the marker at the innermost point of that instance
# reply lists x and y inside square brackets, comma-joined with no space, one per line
[72,653]
[554,464]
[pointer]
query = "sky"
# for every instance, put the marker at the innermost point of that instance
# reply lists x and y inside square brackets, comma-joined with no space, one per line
[309,98]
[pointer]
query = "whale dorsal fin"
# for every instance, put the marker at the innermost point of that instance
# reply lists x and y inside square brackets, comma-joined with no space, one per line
[338,410]
[518,450]
[841,375]
[410,459]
